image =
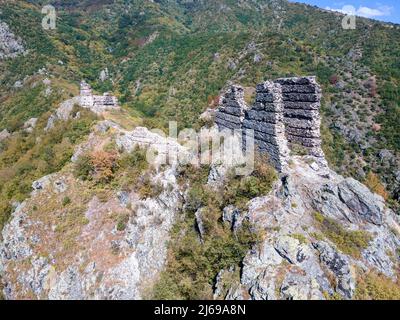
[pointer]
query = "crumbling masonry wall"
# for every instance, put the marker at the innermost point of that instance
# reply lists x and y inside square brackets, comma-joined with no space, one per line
[286,112]
[302,101]
[97,104]
[232,109]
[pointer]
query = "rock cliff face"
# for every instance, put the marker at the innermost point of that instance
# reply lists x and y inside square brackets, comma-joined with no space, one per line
[10,45]
[110,248]
[322,235]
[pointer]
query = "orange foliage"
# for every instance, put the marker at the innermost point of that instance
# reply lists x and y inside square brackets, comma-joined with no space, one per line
[104,165]
[372,181]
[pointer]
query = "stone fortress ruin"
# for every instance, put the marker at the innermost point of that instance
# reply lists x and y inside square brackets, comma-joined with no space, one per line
[86,99]
[97,104]
[285,114]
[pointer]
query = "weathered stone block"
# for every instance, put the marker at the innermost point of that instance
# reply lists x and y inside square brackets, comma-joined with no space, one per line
[301,97]
[299,89]
[302,105]
[301,113]
[270,117]
[228,117]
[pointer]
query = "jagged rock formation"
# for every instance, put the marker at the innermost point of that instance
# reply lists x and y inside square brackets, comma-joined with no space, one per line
[299,260]
[285,111]
[161,149]
[10,45]
[39,260]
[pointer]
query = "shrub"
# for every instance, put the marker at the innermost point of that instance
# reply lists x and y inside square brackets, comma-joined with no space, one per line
[98,165]
[373,286]
[122,221]
[66,201]
[192,265]
[238,190]
[347,241]
[83,167]
[149,189]
[373,182]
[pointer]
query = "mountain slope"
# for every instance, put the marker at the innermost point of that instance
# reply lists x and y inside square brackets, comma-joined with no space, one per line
[171,60]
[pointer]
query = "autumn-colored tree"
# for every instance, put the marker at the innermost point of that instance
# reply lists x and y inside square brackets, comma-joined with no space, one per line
[373,182]
[104,165]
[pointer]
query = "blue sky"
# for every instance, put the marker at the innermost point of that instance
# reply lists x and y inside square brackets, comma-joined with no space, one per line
[385,10]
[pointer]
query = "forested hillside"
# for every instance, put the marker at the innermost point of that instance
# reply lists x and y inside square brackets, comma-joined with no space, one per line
[170,60]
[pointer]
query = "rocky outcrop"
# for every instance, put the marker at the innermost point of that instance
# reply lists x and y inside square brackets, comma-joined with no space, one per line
[63,113]
[298,259]
[340,266]
[4,135]
[358,199]
[10,45]
[162,149]
[30,125]
[103,261]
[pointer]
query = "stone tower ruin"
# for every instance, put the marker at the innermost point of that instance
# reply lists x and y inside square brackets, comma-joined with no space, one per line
[96,103]
[285,114]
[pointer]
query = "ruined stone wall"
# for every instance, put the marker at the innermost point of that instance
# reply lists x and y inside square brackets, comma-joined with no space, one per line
[302,101]
[231,113]
[266,119]
[97,104]
[286,112]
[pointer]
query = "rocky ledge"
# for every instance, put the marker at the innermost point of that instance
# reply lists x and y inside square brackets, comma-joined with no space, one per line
[323,233]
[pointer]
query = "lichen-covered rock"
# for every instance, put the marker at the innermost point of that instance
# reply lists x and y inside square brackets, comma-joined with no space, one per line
[4,135]
[15,244]
[10,45]
[291,263]
[297,286]
[339,264]
[41,183]
[361,201]
[232,215]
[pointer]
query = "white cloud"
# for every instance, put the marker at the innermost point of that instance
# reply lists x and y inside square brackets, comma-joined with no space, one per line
[364,11]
